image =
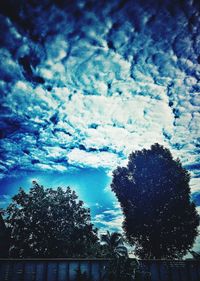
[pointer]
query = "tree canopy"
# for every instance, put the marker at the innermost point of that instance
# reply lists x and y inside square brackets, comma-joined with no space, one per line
[159,217]
[50,223]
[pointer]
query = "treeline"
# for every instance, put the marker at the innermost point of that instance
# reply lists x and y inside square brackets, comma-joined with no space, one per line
[160,220]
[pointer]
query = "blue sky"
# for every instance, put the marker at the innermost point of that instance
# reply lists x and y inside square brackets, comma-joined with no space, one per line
[84,85]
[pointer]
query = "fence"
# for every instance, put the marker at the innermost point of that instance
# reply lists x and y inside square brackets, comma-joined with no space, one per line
[172,270]
[66,269]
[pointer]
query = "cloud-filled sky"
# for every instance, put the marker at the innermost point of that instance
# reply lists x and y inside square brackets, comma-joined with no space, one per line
[84,83]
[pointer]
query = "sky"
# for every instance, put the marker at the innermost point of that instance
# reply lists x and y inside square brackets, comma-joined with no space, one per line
[85,83]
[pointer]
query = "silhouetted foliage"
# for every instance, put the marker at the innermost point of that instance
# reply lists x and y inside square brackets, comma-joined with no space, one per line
[120,267]
[154,193]
[50,223]
[113,245]
[4,239]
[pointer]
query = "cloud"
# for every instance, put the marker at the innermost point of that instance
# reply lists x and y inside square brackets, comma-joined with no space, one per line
[110,219]
[4,200]
[84,85]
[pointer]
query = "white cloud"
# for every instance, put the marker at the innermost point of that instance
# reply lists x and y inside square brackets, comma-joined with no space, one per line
[109,220]
[4,200]
[94,159]
[107,90]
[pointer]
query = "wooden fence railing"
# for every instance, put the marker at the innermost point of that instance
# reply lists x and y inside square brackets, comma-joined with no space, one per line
[66,269]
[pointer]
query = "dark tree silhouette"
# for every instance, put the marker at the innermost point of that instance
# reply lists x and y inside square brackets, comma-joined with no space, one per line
[119,267]
[114,245]
[154,193]
[50,223]
[4,239]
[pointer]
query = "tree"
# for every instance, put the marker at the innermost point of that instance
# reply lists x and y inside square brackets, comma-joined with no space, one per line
[50,223]
[114,244]
[4,239]
[120,267]
[154,193]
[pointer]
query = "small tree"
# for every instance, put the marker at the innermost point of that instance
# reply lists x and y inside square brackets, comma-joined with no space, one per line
[50,223]
[120,267]
[114,245]
[154,193]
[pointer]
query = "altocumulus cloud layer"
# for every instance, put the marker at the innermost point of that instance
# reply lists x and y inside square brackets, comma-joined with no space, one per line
[84,83]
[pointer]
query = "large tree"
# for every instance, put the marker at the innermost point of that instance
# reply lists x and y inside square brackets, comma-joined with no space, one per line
[159,217]
[50,223]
